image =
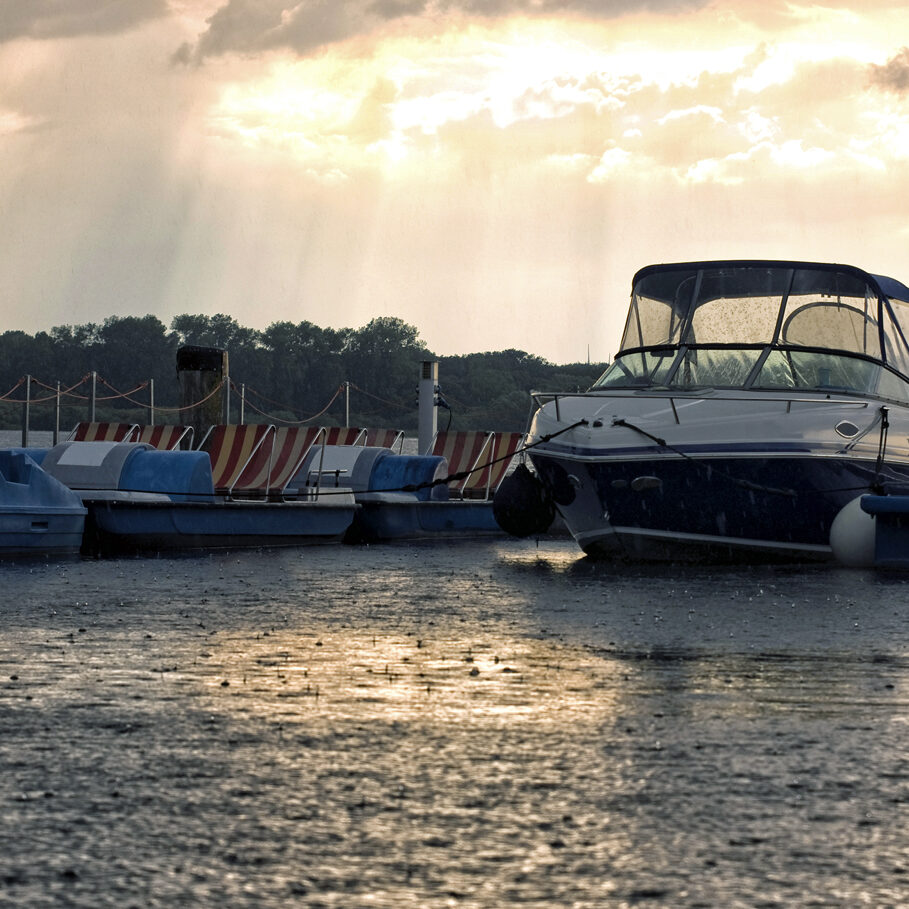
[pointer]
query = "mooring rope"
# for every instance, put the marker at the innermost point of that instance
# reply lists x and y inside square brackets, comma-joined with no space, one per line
[876,485]
[744,484]
[462,475]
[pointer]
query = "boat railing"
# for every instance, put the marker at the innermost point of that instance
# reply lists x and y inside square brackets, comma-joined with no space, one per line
[309,489]
[541,398]
[320,479]
[317,477]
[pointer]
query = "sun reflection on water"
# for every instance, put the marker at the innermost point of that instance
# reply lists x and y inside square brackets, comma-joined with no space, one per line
[297,676]
[556,560]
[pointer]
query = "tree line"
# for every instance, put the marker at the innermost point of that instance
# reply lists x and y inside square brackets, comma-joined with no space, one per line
[289,371]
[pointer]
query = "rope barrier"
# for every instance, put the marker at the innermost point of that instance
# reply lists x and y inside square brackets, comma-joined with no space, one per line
[53,388]
[36,400]
[20,382]
[351,385]
[124,395]
[208,397]
[258,394]
[70,392]
[377,398]
[249,403]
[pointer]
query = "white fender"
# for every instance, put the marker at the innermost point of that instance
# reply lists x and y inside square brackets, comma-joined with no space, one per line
[852,536]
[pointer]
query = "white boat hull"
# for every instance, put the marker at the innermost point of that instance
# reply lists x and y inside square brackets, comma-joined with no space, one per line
[652,475]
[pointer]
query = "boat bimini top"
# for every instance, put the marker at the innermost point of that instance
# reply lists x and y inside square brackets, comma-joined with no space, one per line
[763,324]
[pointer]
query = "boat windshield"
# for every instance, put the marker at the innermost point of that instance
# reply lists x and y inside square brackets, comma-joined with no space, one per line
[764,325]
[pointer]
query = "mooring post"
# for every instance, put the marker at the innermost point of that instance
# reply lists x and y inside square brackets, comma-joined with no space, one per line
[428,420]
[92,394]
[226,396]
[26,407]
[201,370]
[57,415]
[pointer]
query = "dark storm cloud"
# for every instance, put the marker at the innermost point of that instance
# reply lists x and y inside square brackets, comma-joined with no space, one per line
[69,18]
[894,74]
[248,26]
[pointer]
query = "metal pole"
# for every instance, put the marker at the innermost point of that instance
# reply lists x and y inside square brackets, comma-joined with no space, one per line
[347,404]
[242,403]
[57,415]
[225,394]
[151,402]
[91,397]
[26,408]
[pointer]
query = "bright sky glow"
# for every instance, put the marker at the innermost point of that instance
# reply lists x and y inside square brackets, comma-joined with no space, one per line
[493,179]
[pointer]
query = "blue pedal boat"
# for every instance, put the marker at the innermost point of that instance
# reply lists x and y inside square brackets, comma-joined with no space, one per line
[399,497]
[38,514]
[141,499]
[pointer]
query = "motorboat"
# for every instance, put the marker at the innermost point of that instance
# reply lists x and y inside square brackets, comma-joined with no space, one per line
[749,403]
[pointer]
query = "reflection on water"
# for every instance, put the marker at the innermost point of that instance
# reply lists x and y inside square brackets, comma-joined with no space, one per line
[480,725]
[349,676]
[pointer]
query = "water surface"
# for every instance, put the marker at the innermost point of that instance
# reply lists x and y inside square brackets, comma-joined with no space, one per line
[476,725]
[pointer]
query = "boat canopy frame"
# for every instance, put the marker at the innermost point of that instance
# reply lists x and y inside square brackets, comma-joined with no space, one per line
[775,308]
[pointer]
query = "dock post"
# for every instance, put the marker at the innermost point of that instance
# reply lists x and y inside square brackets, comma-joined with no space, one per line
[26,410]
[92,396]
[225,392]
[201,370]
[428,420]
[57,415]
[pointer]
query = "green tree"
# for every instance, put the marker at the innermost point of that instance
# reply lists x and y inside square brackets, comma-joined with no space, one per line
[133,349]
[75,349]
[383,358]
[218,330]
[303,365]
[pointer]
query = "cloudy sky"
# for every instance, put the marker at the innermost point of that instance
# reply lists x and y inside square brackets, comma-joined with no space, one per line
[491,171]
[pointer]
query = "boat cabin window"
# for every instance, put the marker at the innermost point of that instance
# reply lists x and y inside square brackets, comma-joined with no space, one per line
[833,325]
[820,371]
[638,369]
[892,386]
[718,315]
[722,367]
[897,339]
[651,322]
